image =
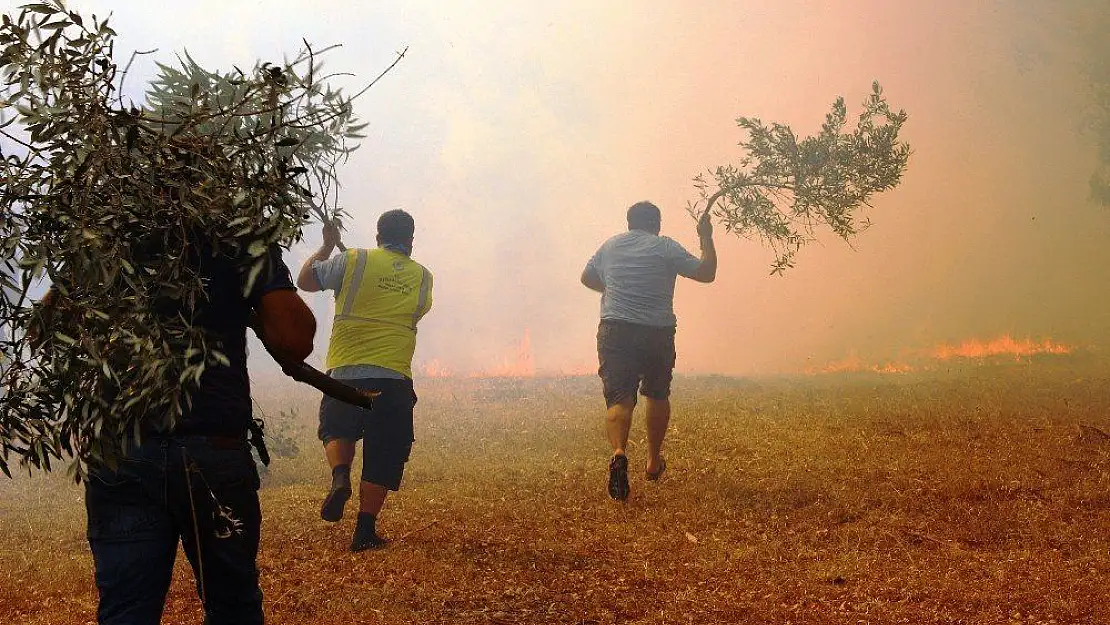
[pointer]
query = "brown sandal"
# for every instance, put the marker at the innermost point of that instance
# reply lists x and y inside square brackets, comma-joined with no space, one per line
[654,477]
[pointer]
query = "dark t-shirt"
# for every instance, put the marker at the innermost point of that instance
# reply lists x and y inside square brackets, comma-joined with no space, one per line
[221,406]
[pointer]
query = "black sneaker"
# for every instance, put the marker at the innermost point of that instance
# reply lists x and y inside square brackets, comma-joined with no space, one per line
[332,508]
[618,477]
[368,542]
[366,534]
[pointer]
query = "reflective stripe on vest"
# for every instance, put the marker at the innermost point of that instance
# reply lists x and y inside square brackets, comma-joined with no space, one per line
[356,282]
[422,299]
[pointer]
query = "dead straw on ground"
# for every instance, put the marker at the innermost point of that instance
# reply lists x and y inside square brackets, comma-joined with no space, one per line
[973,495]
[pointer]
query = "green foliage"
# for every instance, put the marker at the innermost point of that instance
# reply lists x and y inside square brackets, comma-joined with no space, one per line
[786,188]
[113,202]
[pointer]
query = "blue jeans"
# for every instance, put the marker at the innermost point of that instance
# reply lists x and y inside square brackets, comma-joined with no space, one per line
[199,490]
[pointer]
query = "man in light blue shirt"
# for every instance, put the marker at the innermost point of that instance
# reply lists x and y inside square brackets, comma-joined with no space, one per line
[635,273]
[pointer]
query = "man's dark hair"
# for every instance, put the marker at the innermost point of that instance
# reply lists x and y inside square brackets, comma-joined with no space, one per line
[644,216]
[396,227]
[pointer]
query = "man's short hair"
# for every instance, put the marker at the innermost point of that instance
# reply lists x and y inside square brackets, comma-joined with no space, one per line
[396,226]
[644,216]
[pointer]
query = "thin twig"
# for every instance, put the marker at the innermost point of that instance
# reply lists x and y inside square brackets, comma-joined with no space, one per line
[123,76]
[418,530]
[384,72]
[30,147]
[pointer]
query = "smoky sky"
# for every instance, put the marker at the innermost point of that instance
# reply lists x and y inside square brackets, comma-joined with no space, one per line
[518,134]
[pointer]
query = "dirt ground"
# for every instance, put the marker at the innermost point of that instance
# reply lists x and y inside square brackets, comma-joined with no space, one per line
[975,494]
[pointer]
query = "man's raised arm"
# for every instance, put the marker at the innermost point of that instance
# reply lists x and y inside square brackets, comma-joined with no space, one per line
[306,278]
[707,269]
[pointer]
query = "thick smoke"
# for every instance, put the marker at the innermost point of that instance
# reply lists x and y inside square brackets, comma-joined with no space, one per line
[992,232]
[518,133]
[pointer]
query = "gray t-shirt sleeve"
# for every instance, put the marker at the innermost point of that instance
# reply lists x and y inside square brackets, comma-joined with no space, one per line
[595,262]
[329,273]
[683,262]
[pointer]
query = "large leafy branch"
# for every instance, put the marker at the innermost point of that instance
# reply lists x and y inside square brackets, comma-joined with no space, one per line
[786,189]
[114,203]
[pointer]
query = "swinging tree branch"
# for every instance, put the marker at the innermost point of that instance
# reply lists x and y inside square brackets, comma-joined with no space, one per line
[785,189]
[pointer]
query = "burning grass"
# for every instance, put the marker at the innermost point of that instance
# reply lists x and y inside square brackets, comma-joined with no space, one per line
[1002,349]
[969,495]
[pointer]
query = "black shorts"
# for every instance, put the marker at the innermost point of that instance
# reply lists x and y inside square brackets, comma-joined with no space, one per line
[632,356]
[386,429]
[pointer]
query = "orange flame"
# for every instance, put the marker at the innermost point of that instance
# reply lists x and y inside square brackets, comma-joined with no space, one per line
[1004,345]
[853,363]
[520,363]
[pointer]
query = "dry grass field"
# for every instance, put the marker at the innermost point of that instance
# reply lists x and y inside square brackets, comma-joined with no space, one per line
[978,494]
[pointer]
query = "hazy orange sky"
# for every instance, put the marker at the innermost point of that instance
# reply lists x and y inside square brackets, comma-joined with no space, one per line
[518,133]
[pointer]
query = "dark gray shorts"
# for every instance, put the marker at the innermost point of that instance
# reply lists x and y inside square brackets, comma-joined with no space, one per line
[633,356]
[386,430]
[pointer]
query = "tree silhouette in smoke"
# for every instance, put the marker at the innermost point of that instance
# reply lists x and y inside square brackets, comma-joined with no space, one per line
[1097,68]
[111,201]
[785,189]
[1084,28]
[1074,33]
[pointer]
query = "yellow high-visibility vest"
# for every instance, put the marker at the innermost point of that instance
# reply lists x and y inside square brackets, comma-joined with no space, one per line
[383,296]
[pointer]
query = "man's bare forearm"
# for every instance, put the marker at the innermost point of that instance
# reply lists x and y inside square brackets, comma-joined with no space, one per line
[592,281]
[707,272]
[306,278]
[302,372]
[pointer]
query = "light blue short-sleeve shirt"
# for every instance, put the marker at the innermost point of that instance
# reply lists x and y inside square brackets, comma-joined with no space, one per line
[639,270]
[329,273]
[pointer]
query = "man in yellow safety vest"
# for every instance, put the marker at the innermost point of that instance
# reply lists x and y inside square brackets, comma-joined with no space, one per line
[380,295]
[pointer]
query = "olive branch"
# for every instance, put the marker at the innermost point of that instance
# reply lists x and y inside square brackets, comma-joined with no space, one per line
[785,189]
[113,202]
